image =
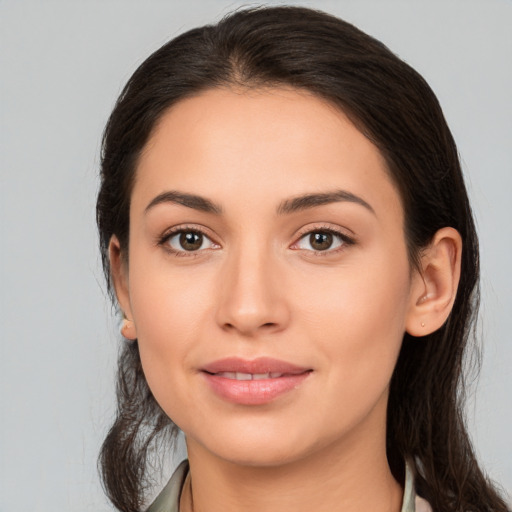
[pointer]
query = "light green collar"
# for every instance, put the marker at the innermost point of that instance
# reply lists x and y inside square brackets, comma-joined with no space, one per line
[168,500]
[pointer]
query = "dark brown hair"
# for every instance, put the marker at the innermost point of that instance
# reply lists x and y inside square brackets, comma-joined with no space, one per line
[394,107]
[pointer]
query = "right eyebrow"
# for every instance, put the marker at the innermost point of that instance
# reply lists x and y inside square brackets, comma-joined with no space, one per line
[189,200]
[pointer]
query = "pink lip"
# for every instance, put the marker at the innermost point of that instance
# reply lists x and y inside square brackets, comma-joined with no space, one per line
[253,392]
[259,365]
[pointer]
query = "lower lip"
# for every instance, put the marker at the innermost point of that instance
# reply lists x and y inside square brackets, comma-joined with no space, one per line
[254,392]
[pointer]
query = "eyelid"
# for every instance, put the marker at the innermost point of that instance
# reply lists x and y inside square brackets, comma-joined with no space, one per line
[164,238]
[339,232]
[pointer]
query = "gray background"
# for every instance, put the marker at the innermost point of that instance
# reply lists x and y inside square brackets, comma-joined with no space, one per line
[62,67]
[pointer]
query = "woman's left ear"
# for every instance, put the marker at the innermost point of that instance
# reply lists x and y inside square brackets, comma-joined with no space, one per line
[434,287]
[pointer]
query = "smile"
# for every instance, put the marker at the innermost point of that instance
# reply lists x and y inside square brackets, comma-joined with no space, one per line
[249,376]
[255,382]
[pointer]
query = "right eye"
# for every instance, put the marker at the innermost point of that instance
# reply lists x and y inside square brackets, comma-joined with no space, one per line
[184,241]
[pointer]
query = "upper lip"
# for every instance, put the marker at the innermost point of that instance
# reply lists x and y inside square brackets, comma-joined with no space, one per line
[255,366]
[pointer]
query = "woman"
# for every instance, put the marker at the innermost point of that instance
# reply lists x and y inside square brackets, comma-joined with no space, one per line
[284,220]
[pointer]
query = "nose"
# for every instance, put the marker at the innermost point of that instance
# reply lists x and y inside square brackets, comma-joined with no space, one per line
[253,300]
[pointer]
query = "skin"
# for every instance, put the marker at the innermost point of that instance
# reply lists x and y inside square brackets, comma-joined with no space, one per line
[257,288]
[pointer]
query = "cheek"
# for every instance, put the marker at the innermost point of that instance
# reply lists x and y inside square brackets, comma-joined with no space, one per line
[167,301]
[367,294]
[170,312]
[357,318]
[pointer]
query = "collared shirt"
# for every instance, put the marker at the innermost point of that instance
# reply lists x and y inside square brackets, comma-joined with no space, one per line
[169,499]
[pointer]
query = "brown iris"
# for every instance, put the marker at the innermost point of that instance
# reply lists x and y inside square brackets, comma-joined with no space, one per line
[320,241]
[191,241]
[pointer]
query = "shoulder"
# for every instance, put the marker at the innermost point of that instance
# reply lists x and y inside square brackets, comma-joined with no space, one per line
[168,500]
[412,502]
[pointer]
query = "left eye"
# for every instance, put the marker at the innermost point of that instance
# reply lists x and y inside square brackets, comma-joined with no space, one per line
[320,241]
[189,241]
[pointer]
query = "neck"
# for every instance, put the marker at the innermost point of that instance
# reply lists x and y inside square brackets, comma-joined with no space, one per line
[349,476]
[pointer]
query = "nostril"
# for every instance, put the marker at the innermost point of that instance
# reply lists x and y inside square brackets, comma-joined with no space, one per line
[266,326]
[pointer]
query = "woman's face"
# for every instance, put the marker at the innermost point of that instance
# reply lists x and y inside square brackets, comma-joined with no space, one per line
[268,277]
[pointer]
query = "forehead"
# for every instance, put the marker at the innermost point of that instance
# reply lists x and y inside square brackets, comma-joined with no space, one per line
[266,142]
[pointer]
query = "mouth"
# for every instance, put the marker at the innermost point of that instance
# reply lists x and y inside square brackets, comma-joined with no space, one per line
[271,368]
[254,382]
[249,376]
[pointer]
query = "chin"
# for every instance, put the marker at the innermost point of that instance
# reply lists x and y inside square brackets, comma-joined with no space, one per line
[259,455]
[262,446]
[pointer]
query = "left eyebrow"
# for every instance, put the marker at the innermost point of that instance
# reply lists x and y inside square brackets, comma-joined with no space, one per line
[307,201]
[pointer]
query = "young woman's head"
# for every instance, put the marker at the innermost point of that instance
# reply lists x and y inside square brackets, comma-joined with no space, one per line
[281,195]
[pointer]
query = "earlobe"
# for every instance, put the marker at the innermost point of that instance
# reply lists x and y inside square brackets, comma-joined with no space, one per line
[119,273]
[128,329]
[435,286]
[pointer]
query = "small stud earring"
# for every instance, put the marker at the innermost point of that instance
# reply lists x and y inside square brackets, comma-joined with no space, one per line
[422,324]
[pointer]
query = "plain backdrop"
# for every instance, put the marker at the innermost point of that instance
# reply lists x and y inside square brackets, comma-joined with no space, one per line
[62,66]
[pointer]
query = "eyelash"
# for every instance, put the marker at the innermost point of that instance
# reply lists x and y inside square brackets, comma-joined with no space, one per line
[165,238]
[344,238]
[163,241]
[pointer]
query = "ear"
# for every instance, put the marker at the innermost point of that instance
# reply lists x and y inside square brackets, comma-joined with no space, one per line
[434,287]
[119,272]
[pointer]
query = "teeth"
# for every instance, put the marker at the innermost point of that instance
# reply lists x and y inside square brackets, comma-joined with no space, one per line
[227,375]
[249,376]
